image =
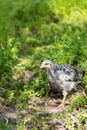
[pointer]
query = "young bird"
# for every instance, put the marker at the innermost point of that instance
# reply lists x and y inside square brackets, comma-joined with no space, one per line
[62,78]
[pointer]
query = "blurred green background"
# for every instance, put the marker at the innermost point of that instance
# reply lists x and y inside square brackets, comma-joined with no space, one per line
[32,31]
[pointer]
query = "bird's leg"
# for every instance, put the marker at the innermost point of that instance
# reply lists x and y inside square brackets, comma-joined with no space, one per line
[64,98]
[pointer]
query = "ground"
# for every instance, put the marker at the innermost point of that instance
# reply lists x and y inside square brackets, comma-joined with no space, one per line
[42,113]
[39,116]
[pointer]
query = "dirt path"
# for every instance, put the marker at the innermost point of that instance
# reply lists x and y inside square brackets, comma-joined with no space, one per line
[38,116]
[41,111]
[35,111]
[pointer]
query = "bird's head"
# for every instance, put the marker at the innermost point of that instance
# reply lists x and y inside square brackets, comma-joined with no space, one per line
[46,64]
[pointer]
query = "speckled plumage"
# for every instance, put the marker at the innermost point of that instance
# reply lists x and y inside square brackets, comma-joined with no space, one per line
[62,78]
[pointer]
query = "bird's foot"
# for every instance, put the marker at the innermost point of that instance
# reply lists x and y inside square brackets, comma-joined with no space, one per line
[61,106]
[46,104]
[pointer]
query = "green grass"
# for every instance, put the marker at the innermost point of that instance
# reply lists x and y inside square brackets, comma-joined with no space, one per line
[32,31]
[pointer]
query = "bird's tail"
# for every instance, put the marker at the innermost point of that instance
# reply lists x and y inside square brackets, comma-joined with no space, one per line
[81,74]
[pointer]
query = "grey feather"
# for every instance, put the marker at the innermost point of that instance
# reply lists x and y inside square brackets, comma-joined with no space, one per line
[62,77]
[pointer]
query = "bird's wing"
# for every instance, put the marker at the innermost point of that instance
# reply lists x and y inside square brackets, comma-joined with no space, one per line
[65,73]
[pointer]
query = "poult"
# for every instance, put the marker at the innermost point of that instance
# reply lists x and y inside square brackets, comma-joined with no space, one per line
[62,78]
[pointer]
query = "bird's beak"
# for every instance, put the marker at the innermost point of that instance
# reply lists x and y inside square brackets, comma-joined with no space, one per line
[41,66]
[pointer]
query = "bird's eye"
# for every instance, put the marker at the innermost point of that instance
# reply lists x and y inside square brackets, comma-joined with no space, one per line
[46,63]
